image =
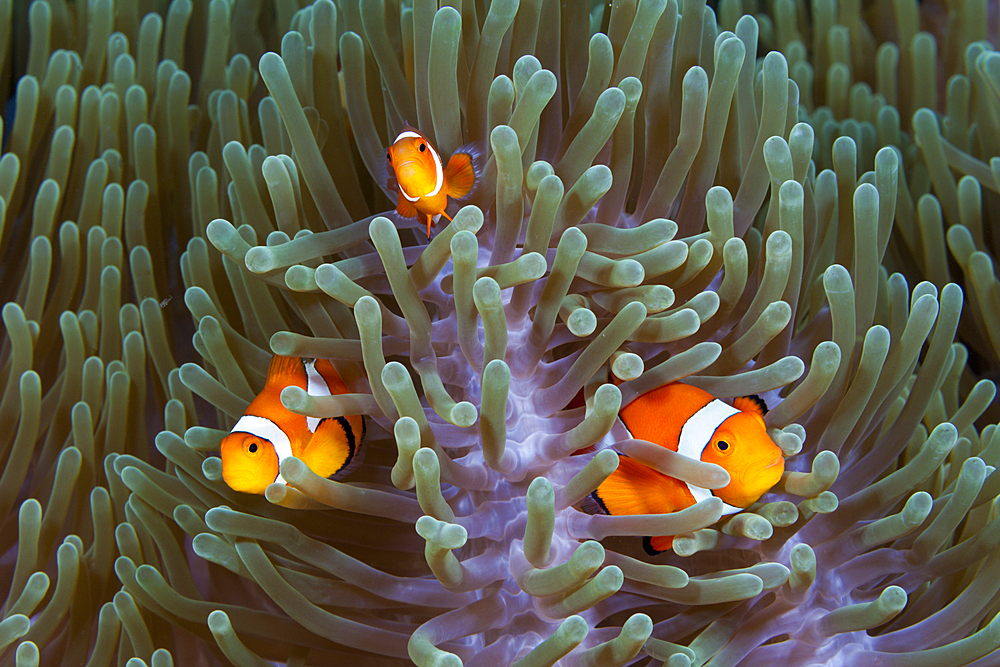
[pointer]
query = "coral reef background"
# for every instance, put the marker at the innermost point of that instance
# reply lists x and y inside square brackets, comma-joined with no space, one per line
[792,199]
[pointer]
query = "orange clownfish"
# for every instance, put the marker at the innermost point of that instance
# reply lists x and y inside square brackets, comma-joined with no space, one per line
[421,180]
[268,433]
[694,423]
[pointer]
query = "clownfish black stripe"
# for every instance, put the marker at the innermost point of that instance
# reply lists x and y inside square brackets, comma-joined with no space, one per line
[349,434]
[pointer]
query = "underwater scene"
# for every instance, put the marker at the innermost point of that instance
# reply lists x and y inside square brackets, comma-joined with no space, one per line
[510,332]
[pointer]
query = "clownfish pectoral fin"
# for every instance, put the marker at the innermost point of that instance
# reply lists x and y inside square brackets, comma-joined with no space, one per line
[752,403]
[657,545]
[461,175]
[405,207]
[286,371]
[334,449]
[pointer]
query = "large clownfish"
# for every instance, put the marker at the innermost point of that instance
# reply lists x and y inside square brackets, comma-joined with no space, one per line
[694,423]
[423,184]
[268,433]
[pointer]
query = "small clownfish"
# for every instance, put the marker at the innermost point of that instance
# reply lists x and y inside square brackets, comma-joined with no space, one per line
[694,423]
[268,432]
[422,182]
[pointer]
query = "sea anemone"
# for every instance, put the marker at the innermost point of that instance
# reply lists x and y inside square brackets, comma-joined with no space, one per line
[795,203]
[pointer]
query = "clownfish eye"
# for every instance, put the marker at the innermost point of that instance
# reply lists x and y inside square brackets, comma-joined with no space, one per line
[253,447]
[423,147]
[388,156]
[722,445]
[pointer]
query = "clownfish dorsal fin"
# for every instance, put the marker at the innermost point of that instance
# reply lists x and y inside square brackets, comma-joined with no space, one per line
[285,371]
[752,403]
[330,375]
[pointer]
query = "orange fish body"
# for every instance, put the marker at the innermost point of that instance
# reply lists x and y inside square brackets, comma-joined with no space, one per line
[422,182]
[692,422]
[268,433]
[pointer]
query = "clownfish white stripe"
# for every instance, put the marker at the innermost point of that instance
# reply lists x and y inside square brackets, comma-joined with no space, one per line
[438,168]
[701,493]
[438,172]
[315,386]
[268,430]
[699,427]
[406,135]
[695,436]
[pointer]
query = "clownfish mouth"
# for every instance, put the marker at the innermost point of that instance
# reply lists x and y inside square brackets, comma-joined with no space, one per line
[757,479]
[759,466]
[778,460]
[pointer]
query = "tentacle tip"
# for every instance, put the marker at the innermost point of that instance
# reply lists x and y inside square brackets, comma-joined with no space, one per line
[464,414]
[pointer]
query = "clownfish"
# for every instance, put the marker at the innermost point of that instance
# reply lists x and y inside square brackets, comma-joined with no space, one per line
[422,182]
[268,432]
[694,423]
